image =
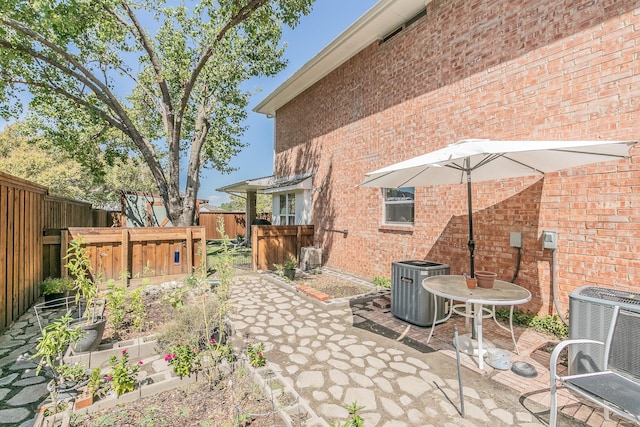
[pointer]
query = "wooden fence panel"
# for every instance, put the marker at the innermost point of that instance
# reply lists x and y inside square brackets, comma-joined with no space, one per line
[234,223]
[29,249]
[156,254]
[273,244]
[20,246]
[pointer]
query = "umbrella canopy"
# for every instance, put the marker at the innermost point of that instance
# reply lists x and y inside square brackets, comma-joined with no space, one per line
[483,159]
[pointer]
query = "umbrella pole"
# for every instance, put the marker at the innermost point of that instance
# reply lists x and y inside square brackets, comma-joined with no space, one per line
[471,244]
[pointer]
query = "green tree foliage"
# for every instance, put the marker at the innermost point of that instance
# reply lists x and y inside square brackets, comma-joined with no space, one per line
[162,80]
[238,204]
[39,161]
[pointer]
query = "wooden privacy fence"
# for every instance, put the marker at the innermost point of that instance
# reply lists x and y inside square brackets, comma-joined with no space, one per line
[26,213]
[273,244]
[235,223]
[143,253]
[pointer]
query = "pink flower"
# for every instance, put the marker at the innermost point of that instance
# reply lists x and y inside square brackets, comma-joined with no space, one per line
[213,340]
[124,351]
[167,357]
[139,362]
[109,377]
[259,354]
[173,356]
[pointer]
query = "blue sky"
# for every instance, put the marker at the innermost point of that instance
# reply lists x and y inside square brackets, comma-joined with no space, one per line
[328,19]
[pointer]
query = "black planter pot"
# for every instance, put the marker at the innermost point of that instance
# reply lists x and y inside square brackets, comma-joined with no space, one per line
[93,336]
[50,300]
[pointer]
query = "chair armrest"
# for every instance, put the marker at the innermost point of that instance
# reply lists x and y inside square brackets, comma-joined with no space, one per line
[561,346]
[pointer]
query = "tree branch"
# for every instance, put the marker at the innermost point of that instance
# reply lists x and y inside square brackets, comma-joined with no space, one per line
[243,14]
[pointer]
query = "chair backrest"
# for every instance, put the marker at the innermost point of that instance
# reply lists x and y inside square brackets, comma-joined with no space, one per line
[624,349]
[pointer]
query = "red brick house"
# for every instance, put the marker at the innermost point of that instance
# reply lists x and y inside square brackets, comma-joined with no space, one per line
[406,79]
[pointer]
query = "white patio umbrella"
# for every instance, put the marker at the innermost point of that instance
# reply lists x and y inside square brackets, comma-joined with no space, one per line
[488,160]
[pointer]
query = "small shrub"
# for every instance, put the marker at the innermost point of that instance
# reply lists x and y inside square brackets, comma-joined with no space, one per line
[547,324]
[382,282]
[52,285]
[354,420]
[116,304]
[256,355]
[123,375]
[138,309]
[184,359]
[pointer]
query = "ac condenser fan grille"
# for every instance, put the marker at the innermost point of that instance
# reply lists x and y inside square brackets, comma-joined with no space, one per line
[613,295]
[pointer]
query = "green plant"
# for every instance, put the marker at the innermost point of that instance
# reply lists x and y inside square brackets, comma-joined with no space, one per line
[184,358]
[290,263]
[547,324]
[354,420]
[56,338]
[256,355]
[176,296]
[52,285]
[79,265]
[138,309]
[116,304]
[383,282]
[74,373]
[97,385]
[123,375]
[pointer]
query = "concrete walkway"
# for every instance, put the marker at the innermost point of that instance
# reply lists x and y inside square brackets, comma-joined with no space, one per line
[21,390]
[318,351]
[326,355]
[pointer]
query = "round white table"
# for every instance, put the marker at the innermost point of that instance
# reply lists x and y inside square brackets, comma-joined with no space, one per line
[455,288]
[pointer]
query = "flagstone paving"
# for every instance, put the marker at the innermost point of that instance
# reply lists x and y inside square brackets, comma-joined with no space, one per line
[322,354]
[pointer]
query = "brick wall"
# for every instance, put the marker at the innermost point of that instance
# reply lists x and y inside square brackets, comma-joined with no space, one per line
[527,69]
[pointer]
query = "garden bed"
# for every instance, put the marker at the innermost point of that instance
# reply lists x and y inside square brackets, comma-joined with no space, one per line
[161,398]
[331,285]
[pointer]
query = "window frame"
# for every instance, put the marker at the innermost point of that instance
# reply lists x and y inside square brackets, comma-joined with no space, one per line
[386,203]
[287,213]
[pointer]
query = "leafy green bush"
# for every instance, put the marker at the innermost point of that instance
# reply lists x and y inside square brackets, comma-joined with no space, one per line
[52,285]
[383,282]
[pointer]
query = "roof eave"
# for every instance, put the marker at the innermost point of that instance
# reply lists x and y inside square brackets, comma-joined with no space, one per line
[384,17]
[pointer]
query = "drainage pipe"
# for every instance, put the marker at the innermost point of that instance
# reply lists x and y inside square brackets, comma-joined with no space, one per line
[517,265]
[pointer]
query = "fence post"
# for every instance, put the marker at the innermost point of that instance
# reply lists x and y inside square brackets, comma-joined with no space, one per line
[190,248]
[298,240]
[64,247]
[124,256]
[203,250]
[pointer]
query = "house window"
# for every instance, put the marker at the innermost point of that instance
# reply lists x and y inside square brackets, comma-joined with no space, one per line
[398,205]
[288,209]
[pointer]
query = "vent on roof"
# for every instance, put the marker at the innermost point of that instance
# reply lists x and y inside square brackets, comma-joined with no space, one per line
[406,24]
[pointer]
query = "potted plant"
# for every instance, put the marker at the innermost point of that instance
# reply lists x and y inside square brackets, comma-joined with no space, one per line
[290,267]
[90,307]
[56,338]
[55,289]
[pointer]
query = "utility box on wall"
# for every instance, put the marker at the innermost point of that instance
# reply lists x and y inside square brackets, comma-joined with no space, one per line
[310,258]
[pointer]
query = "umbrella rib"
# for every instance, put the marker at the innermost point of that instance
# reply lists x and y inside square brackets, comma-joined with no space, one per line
[533,170]
[617,156]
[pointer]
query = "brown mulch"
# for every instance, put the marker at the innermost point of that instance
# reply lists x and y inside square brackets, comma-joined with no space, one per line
[236,400]
[331,285]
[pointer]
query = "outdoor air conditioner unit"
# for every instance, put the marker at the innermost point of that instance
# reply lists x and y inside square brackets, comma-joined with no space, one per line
[590,312]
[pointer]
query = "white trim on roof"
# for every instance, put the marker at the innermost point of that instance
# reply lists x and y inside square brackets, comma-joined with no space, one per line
[384,17]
